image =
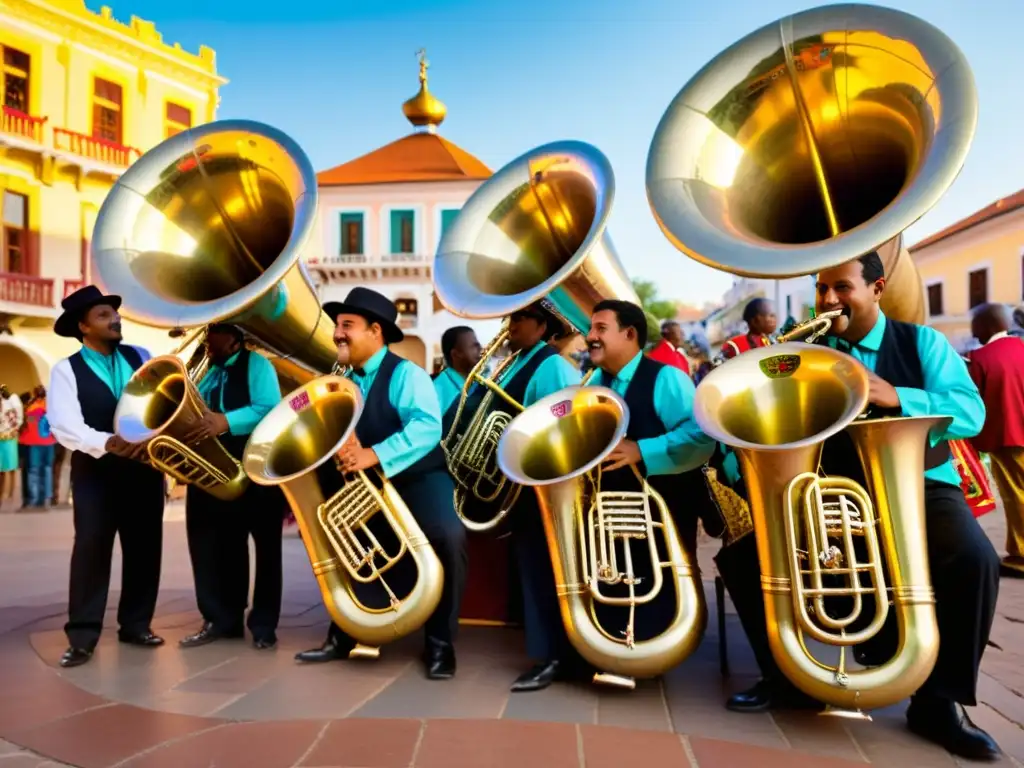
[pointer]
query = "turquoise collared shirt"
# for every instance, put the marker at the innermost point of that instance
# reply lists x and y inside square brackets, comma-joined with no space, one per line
[113,370]
[411,394]
[264,392]
[448,385]
[551,375]
[683,446]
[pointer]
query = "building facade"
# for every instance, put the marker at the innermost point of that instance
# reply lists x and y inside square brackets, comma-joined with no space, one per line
[977,260]
[84,95]
[381,217]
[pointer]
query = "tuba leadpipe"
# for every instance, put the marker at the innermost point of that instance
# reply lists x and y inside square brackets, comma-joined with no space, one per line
[339,525]
[806,523]
[536,231]
[557,446]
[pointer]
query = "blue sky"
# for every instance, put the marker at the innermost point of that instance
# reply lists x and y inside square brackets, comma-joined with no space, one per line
[518,74]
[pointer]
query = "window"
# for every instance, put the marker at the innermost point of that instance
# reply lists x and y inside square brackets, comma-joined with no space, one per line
[351,234]
[402,228]
[977,287]
[15,76]
[447,217]
[107,117]
[406,306]
[176,119]
[15,234]
[935,308]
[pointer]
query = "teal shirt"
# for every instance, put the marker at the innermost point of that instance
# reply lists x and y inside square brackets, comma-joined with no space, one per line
[113,370]
[553,374]
[411,394]
[448,385]
[264,392]
[948,391]
[683,446]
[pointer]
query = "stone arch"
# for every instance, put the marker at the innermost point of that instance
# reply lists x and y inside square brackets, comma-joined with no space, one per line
[413,349]
[24,365]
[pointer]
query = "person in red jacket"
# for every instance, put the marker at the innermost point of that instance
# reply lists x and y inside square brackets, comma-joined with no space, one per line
[759,315]
[667,350]
[998,370]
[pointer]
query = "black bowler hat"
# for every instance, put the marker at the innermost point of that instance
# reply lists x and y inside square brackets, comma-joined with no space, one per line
[374,307]
[76,305]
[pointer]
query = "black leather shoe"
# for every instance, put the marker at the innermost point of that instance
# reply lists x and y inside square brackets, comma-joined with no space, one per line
[946,723]
[75,657]
[264,642]
[207,635]
[767,695]
[329,651]
[439,657]
[537,678]
[146,639]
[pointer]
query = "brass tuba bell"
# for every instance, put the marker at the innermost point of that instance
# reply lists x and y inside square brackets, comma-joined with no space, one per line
[812,141]
[776,406]
[557,446]
[536,231]
[355,530]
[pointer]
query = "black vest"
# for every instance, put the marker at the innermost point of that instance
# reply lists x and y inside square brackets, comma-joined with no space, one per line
[899,364]
[380,420]
[235,388]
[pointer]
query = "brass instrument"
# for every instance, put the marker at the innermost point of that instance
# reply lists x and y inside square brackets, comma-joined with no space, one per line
[557,446]
[346,547]
[534,232]
[207,227]
[815,139]
[806,524]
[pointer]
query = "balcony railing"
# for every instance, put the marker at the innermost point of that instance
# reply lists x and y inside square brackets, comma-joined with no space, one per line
[70,286]
[22,125]
[93,148]
[24,289]
[388,259]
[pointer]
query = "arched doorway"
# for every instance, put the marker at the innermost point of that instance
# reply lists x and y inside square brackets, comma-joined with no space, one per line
[412,349]
[22,367]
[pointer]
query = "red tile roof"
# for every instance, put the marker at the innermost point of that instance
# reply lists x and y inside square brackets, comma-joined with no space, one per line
[998,208]
[416,157]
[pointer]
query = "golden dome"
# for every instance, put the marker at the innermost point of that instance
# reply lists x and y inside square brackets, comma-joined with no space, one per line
[425,109]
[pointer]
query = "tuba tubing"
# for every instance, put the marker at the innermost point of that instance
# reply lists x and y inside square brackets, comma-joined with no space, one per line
[601,417]
[301,433]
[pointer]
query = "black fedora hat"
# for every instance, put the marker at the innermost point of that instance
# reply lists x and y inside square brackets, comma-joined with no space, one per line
[76,305]
[375,307]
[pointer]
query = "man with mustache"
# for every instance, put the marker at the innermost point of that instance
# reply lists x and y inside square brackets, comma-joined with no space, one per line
[399,432]
[461,350]
[239,389]
[914,371]
[114,495]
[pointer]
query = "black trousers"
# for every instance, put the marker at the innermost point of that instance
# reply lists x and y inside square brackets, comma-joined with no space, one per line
[965,576]
[113,497]
[218,544]
[429,497]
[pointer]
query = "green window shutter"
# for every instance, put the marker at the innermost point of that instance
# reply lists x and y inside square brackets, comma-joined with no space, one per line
[447,217]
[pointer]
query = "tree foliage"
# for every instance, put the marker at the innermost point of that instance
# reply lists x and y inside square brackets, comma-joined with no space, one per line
[656,309]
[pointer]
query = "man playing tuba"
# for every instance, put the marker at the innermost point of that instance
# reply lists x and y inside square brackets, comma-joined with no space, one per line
[914,371]
[399,430]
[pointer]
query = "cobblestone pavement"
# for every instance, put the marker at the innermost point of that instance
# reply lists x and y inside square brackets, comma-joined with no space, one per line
[228,705]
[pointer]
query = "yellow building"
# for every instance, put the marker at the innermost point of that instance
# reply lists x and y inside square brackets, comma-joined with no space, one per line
[83,96]
[977,260]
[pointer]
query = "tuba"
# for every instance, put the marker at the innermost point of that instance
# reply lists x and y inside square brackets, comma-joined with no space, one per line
[209,226]
[536,231]
[557,446]
[354,534]
[776,406]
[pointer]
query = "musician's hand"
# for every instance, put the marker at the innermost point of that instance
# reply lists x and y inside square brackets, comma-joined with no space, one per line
[625,454]
[882,393]
[211,425]
[353,457]
[118,446]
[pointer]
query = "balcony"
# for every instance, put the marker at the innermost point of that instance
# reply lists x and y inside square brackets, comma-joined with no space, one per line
[21,126]
[105,154]
[26,290]
[70,286]
[414,267]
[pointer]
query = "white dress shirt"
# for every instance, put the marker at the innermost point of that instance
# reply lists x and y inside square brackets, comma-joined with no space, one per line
[64,412]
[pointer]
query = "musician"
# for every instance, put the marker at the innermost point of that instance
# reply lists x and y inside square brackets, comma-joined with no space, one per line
[998,370]
[114,495]
[461,351]
[759,315]
[538,371]
[399,431]
[667,350]
[239,389]
[914,372]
